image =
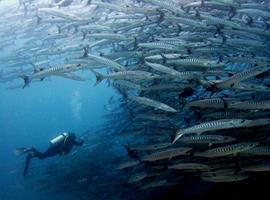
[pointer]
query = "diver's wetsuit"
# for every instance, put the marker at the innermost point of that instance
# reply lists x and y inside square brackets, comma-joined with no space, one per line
[60,149]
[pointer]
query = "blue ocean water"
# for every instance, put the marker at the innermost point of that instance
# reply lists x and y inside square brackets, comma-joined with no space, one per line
[33,116]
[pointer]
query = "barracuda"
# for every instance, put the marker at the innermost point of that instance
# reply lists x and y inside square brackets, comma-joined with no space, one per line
[212,103]
[154,117]
[226,115]
[227,150]
[208,4]
[256,12]
[165,57]
[52,71]
[107,62]
[137,177]
[152,103]
[224,179]
[169,86]
[167,70]
[247,105]
[129,84]
[262,167]
[193,62]
[212,126]
[59,13]
[206,139]
[258,151]
[160,45]
[109,36]
[139,75]
[167,5]
[188,166]
[148,147]
[186,21]
[241,76]
[155,184]
[128,164]
[166,154]
[251,87]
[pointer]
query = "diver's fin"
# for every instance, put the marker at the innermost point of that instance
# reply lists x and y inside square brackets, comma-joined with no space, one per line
[22,150]
[19,151]
[27,162]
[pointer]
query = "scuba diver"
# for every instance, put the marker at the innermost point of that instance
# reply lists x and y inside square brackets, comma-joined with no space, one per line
[60,145]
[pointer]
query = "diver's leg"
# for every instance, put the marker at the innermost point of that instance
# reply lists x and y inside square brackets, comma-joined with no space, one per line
[32,153]
[52,151]
[36,153]
[27,162]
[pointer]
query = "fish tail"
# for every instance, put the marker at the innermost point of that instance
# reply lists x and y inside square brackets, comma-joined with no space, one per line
[130,112]
[58,29]
[26,80]
[126,146]
[131,153]
[24,9]
[197,13]
[99,77]
[89,2]
[38,19]
[84,35]
[202,3]
[177,136]
[19,151]
[135,42]
[182,103]
[85,52]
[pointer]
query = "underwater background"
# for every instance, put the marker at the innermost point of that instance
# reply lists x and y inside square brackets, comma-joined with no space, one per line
[36,108]
[35,116]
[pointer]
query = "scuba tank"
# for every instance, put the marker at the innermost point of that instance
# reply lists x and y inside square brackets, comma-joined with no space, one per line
[60,138]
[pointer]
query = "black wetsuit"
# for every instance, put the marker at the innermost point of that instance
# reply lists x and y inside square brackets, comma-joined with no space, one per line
[60,149]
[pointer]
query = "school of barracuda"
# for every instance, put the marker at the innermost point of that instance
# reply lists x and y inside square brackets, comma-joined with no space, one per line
[193,78]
